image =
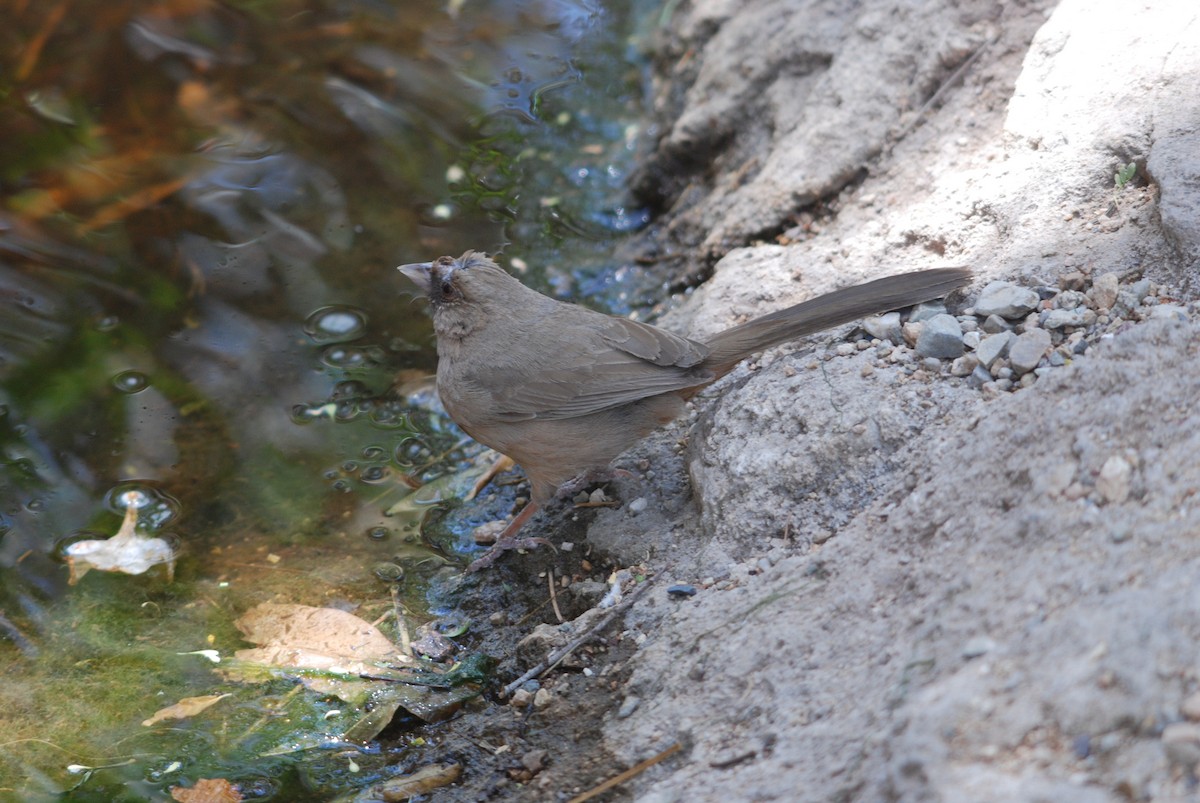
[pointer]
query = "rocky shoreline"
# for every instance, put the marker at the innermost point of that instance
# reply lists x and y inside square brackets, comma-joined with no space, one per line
[951,557]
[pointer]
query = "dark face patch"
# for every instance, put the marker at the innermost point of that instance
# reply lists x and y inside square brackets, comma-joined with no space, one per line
[444,285]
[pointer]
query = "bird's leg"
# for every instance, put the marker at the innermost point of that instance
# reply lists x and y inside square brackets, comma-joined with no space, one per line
[500,465]
[507,540]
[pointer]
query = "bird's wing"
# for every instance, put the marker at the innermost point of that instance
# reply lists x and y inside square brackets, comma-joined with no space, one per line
[598,362]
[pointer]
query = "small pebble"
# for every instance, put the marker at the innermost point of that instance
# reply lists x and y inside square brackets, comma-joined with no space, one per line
[911,331]
[979,377]
[941,337]
[964,365]
[1006,300]
[1191,707]
[1060,318]
[1113,481]
[926,310]
[1181,741]
[681,590]
[884,327]
[638,505]
[980,645]
[1027,350]
[993,347]
[542,698]
[1104,290]
[1168,312]
[628,706]
[993,324]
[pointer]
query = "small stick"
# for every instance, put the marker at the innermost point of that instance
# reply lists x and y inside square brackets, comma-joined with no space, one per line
[636,769]
[554,596]
[557,656]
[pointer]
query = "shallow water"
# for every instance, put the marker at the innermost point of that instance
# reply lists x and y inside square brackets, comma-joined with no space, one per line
[202,208]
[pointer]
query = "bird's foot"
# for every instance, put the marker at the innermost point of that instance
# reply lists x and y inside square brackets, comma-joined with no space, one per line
[505,545]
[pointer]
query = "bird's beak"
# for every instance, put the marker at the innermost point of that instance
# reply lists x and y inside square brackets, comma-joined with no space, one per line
[419,273]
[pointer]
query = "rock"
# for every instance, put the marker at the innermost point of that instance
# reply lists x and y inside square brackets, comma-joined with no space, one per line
[1104,290]
[1113,481]
[1006,300]
[994,324]
[994,346]
[926,310]
[941,337]
[1191,707]
[1027,350]
[638,505]
[1072,281]
[979,377]
[542,698]
[980,645]
[911,331]
[628,706]
[1181,741]
[1168,312]
[971,337]
[1060,318]
[964,365]
[884,327]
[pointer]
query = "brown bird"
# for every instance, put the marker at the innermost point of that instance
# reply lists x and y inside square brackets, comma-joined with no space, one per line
[563,390]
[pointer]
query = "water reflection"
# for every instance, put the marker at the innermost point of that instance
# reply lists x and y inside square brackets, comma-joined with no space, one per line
[197,303]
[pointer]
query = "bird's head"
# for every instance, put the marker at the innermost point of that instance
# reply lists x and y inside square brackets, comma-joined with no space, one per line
[447,280]
[463,290]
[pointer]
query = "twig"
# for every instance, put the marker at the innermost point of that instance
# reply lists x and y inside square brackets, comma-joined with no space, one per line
[636,769]
[554,596]
[941,90]
[556,656]
[401,625]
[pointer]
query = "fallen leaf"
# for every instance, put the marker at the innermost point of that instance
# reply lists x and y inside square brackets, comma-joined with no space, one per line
[183,709]
[300,637]
[207,790]
[420,782]
[127,552]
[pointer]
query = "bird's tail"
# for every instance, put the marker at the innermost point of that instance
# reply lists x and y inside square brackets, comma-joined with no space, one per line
[832,309]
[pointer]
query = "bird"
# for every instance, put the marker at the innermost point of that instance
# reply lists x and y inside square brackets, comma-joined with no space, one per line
[563,390]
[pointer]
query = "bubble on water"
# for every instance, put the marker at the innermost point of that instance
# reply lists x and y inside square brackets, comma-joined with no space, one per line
[155,506]
[373,452]
[107,323]
[336,324]
[389,572]
[373,475]
[378,533]
[349,389]
[131,381]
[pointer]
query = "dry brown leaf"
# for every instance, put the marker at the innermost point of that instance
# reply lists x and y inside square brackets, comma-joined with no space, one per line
[303,637]
[420,782]
[188,706]
[207,790]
